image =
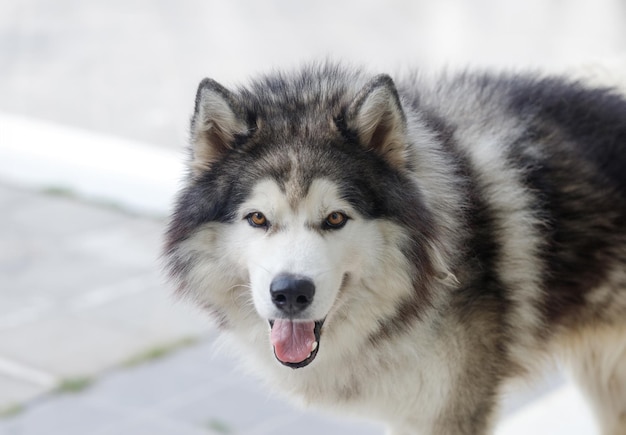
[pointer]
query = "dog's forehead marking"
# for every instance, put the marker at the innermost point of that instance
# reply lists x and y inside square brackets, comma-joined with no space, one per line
[297,184]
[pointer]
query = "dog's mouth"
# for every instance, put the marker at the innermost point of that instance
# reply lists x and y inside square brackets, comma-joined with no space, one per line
[296,343]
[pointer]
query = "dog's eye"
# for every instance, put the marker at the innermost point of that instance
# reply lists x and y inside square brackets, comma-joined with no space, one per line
[335,220]
[257,219]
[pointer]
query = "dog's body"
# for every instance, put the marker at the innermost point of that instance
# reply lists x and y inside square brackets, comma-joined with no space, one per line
[409,247]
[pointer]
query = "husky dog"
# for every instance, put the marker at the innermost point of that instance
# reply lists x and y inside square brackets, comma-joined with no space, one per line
[401,250]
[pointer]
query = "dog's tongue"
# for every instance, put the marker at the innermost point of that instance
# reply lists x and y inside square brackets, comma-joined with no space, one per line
[293,341]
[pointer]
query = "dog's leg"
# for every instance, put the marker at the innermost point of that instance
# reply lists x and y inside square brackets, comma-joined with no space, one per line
[599,366]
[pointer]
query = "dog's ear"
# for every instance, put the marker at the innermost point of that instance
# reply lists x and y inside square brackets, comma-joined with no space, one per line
[216,123]
[377,117]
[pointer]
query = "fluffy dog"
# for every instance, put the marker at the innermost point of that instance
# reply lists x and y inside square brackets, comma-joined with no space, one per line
[401,249]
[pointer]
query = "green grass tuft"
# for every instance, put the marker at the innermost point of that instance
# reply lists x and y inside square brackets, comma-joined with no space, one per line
[73,385]
[159,352]
[219,426]
[59,191]
[11,410]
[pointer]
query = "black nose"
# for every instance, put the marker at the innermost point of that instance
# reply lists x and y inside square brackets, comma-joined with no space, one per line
[292,294]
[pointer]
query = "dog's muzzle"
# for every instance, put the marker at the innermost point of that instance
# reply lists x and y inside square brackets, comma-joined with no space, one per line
[296,342]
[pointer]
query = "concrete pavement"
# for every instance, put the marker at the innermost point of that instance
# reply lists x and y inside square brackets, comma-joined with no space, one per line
[81,292]
[193,392]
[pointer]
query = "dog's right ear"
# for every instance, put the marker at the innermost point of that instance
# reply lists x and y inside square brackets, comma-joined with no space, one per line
[216,122]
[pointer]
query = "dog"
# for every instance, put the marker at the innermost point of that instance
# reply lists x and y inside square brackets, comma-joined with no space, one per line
[401,249]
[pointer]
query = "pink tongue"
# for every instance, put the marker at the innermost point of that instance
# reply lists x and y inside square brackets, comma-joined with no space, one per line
[293,341]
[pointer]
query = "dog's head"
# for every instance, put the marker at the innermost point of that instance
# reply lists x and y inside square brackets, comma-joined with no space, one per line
[299,199]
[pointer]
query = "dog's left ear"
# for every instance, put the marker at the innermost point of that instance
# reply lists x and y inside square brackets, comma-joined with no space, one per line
[377,117]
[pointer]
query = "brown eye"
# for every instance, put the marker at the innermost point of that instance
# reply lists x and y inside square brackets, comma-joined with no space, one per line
[335,220]
[257,219]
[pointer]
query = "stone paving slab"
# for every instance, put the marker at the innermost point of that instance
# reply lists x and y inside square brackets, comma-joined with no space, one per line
[80,292]
[195,391]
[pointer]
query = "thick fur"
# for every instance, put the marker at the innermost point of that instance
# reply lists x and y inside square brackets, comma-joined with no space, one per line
[485,233]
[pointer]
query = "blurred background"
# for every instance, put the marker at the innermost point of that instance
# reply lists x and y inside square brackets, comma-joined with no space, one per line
[130,67]
[95,100]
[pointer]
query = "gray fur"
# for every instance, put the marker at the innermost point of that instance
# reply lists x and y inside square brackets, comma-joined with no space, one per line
[492,213]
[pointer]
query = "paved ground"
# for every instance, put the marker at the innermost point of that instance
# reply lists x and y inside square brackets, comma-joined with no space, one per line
[81,292]
[194,392]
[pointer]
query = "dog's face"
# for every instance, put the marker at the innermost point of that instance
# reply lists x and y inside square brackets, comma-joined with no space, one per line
[306,247]
[298,253]
[292,206]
